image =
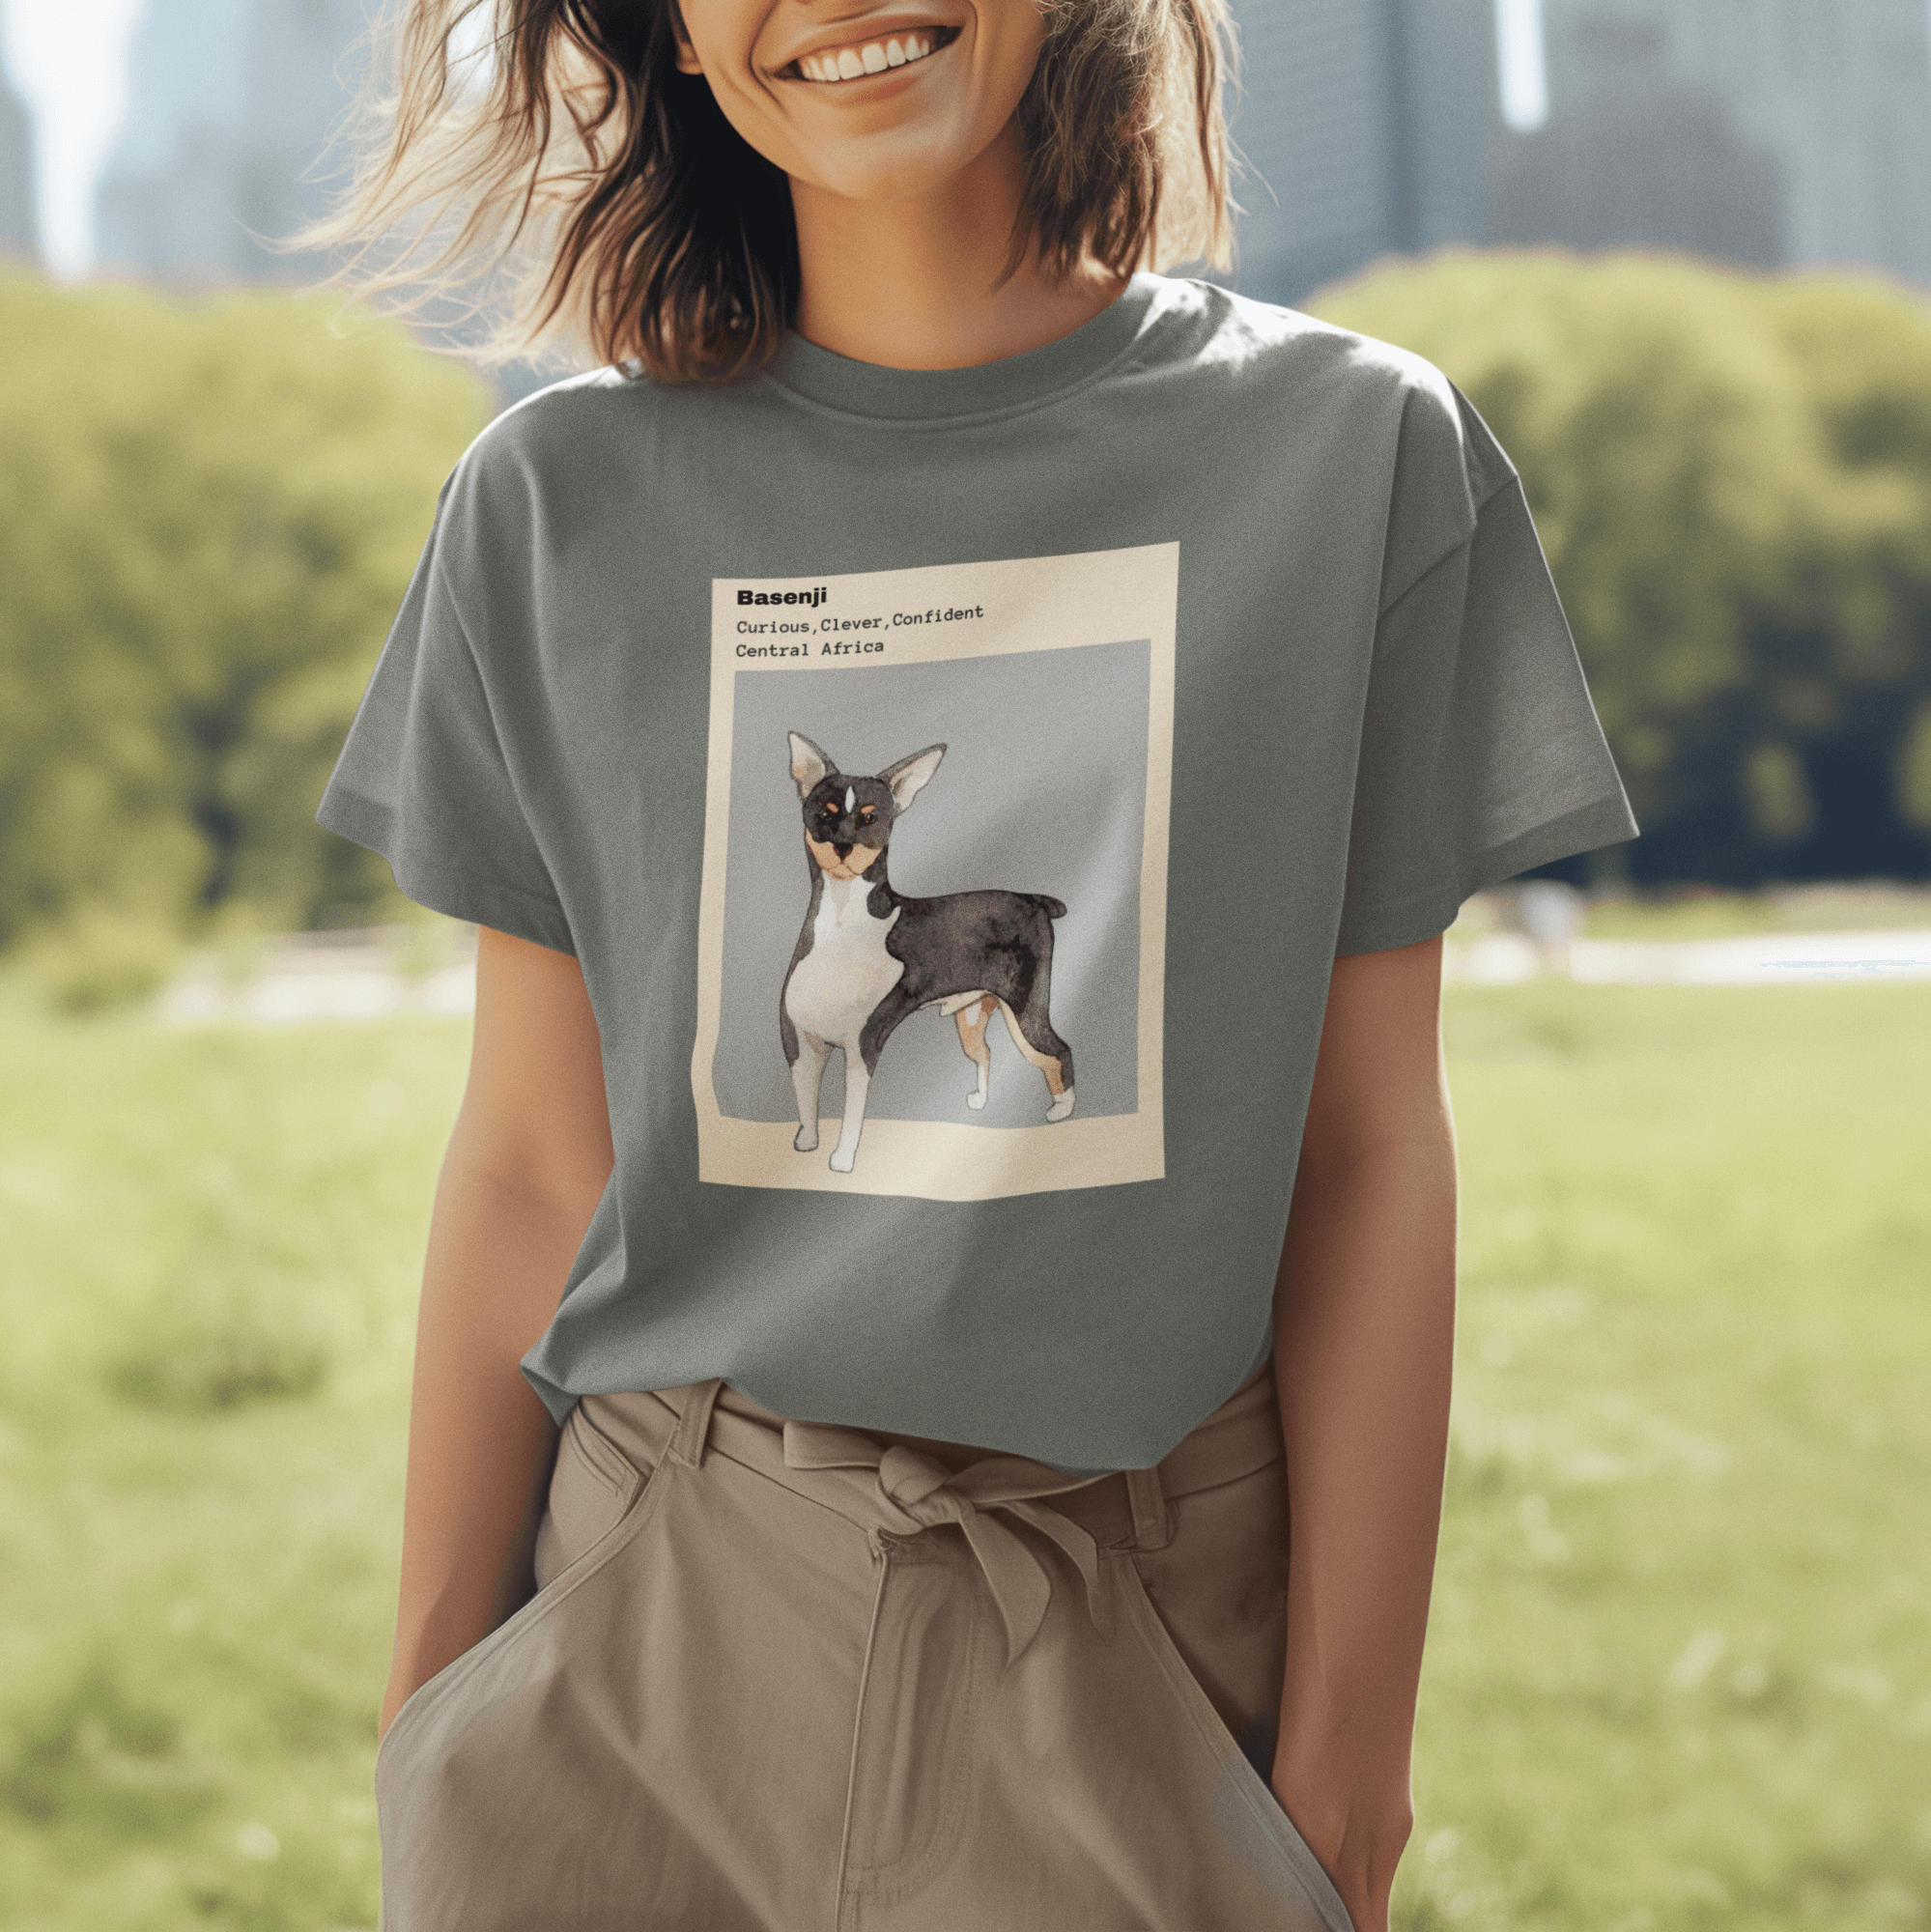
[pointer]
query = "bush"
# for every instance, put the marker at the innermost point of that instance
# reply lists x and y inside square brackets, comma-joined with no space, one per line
[1732,477]
[207,517]
[94,1752]
[219,1337]
[98,958]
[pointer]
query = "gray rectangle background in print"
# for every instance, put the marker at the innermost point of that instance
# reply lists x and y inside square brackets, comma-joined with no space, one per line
[1042,789]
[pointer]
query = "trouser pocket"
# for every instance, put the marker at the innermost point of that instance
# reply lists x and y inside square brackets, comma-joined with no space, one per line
[590,1492]
[481,1780]
[1208,1610]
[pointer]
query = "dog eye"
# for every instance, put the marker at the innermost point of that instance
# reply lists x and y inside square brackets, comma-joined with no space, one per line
[867,813]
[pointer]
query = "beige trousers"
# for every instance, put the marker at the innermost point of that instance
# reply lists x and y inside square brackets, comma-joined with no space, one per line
[786,1677]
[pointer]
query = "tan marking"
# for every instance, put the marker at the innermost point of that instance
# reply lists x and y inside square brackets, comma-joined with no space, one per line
[1052,1068]
[858,860]
[972,1036]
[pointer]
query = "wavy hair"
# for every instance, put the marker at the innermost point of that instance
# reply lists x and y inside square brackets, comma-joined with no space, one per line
[543,166]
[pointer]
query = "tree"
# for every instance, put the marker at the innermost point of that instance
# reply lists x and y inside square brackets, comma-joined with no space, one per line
[207,517]
[1732,477]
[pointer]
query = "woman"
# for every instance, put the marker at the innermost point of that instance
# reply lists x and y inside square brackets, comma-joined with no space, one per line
[962,750]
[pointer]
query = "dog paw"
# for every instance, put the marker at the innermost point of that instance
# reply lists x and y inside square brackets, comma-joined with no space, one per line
[805,1139]
[975,1101]
[1060,1107]
[842,1161]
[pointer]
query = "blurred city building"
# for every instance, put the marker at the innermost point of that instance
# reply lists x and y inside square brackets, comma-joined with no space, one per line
[1634,155]
[1756,132]
[226,145]
[1789,132]
[230,104]
[1765,132]
[1363,127]
[20,196]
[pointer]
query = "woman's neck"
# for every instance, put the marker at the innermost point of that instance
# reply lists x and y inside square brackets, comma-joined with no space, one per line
[911,284]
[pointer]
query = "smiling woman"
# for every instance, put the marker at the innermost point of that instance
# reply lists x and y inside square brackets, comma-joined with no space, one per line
[886,1529]
[570,154]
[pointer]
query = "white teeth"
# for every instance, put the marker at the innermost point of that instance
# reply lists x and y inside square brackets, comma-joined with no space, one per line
[853,63]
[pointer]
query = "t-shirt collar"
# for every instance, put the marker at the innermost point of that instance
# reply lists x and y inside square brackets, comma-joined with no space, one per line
[989,388]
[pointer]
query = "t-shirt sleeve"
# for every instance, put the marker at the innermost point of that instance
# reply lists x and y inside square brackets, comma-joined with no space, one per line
[1481,753]
[424,781]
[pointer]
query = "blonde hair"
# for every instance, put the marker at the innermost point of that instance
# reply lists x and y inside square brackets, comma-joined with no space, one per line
[545,164]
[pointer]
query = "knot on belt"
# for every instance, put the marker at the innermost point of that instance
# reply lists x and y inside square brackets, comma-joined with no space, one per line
[913,1492]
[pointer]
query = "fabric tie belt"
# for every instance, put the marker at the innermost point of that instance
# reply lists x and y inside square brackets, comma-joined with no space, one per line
[913,1492]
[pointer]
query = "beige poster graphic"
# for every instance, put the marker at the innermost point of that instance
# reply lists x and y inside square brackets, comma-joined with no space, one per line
[933,914]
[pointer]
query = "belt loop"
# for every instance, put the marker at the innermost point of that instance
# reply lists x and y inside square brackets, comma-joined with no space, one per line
[694,1422]
[1153,1520]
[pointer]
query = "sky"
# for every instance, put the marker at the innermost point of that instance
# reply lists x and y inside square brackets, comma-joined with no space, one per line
[70,59]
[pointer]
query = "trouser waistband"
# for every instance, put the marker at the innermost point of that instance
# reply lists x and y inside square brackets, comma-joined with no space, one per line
[892,1490]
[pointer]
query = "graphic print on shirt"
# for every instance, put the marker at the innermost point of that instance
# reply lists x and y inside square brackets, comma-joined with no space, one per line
[852,945]
[868,957]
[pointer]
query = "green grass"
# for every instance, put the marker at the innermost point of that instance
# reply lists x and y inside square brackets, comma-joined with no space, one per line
[1680,1667]
[1679,1674]
[206,1291]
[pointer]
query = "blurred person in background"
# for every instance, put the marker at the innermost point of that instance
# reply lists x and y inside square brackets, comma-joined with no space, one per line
[1022,1511]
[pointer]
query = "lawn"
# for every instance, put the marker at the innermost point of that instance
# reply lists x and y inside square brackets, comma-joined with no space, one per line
[1680,1670]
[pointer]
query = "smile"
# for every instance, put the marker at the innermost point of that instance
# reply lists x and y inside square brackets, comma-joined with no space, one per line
[862,59]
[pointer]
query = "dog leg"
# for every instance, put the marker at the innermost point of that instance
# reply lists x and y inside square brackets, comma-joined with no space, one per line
[857,1080]
[972,1024]
[1050,1054]
[808,1071]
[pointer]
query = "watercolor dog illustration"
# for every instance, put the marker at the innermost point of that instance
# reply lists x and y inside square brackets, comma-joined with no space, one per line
[869,957]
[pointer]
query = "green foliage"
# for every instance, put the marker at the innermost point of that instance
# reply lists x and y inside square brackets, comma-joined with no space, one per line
[99,956]
[208,1343]
[92,1749]
[207,517]
[1677,1671]
[1732,477]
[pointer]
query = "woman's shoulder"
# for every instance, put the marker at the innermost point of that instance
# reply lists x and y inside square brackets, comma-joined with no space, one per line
[554,452]
[542,427]
[1219,328]
[1375,386]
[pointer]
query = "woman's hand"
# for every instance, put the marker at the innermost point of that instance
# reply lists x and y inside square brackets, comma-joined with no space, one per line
[1358,1836]
[1364,1326]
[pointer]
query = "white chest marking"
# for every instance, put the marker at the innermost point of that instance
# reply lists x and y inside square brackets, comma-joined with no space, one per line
[838,986]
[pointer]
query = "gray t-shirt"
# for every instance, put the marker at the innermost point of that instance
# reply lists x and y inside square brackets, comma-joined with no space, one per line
[956,786]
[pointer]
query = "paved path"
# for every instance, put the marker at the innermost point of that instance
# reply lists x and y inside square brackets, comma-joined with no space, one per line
[334,981]
[1761,959]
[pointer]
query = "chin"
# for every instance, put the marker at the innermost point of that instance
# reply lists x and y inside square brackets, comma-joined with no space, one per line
[896,169]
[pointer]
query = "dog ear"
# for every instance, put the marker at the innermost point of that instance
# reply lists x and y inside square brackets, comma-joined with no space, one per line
[907,777]
[809,764]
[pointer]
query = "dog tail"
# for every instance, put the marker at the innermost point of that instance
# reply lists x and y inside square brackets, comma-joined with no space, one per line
[1052,908]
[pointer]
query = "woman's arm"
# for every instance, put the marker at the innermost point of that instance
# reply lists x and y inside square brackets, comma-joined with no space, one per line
[1364,1314]
[525,1165]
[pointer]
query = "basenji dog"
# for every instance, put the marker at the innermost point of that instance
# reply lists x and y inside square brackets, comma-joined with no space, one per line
[869,957]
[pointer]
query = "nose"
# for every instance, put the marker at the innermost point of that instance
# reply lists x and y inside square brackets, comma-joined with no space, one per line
[843,851]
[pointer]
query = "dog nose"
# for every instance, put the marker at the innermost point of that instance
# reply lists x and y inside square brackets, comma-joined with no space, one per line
[843,851]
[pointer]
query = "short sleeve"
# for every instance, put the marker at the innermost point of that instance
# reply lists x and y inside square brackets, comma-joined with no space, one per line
[423,779]
[1481,753]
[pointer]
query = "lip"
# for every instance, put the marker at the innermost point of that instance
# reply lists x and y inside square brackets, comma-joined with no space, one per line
[855,34]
